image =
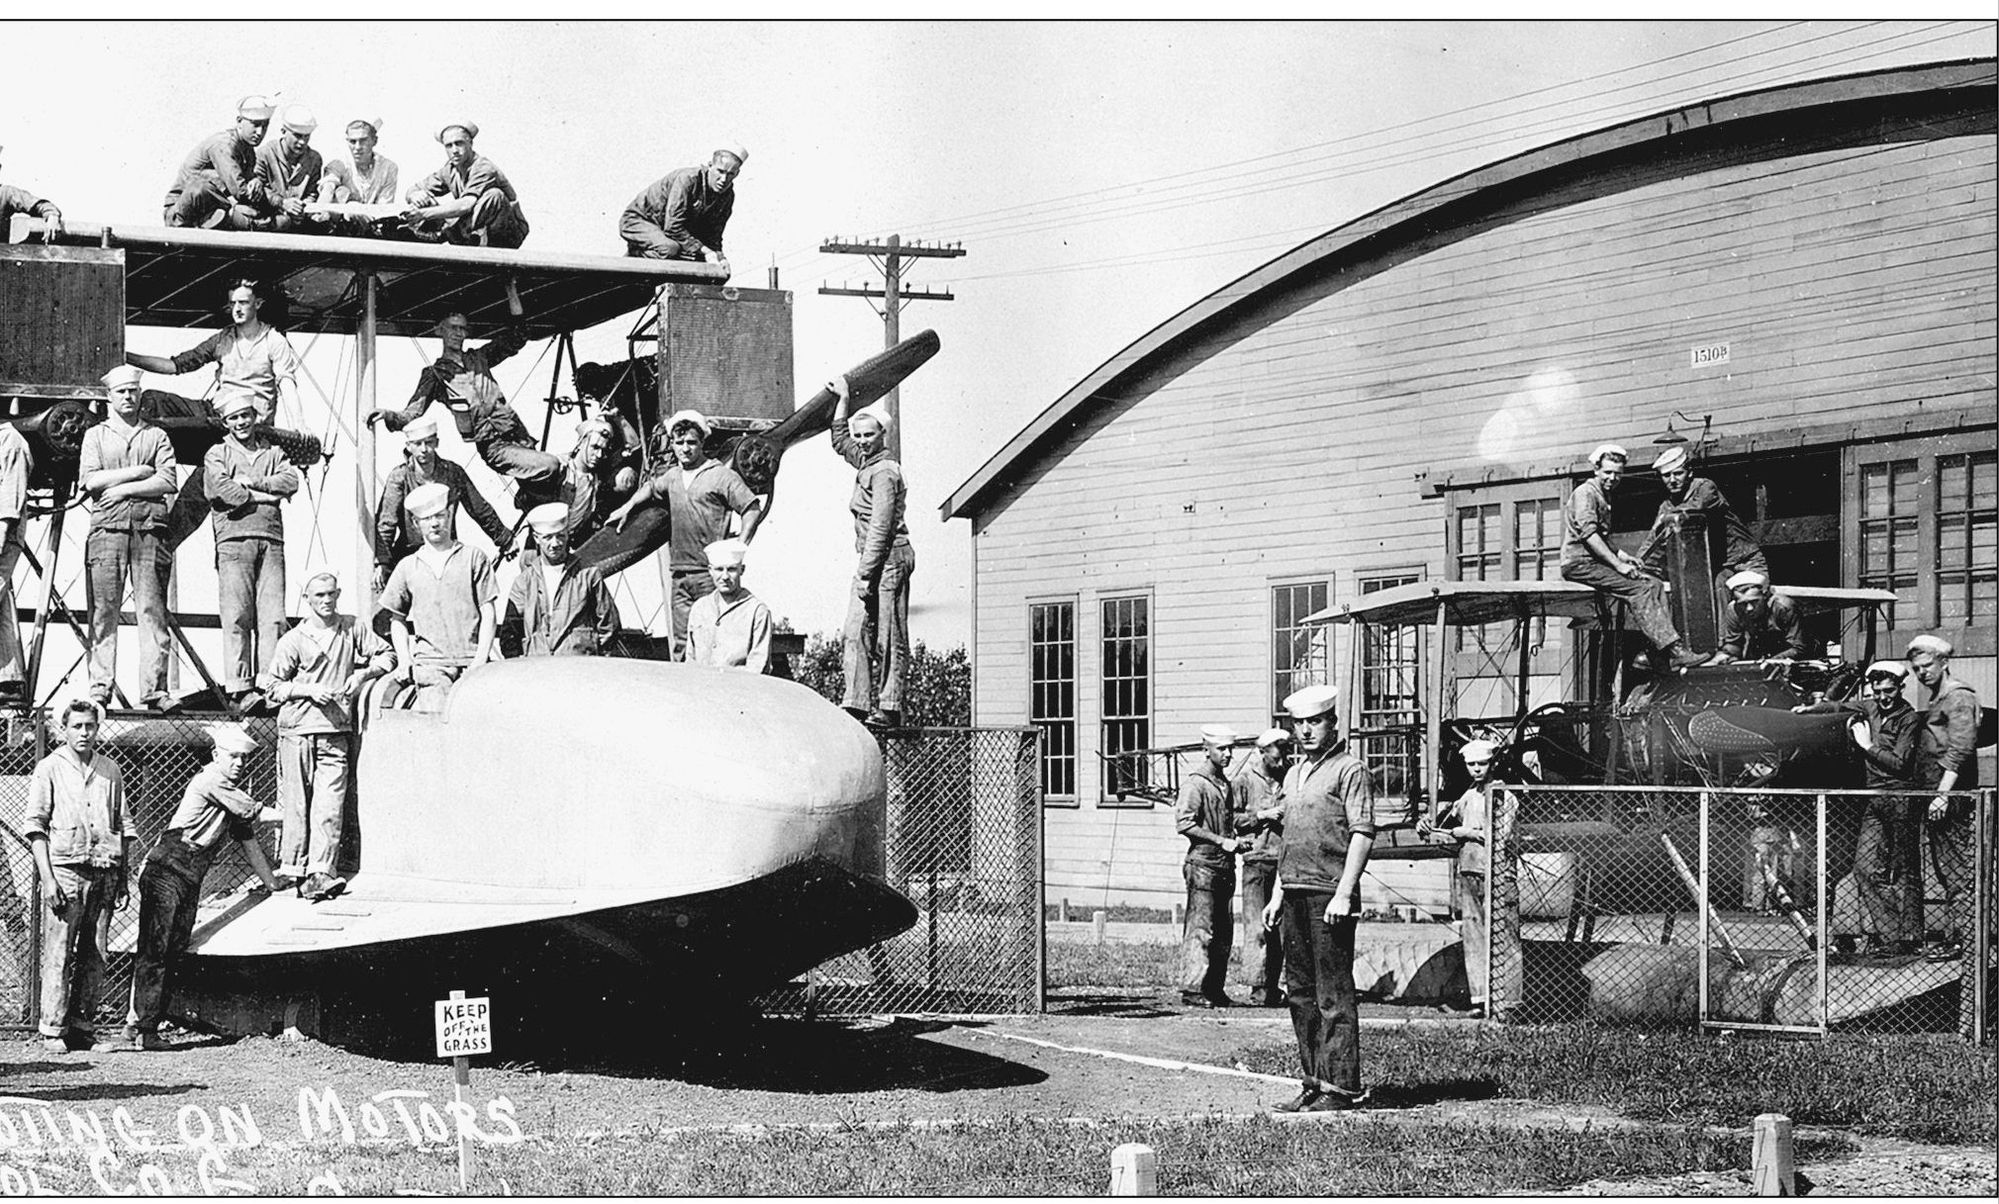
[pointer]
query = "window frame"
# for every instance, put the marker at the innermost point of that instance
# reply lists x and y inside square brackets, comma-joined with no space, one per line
[1467,660]
[1052,798]
[1969,639]
[1322,635]
[1106,798]
[1367,581]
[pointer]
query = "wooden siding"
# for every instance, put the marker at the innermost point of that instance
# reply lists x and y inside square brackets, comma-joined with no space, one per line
[1850,284]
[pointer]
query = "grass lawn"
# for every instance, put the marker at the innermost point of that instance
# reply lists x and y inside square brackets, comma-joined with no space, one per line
[1933,1089]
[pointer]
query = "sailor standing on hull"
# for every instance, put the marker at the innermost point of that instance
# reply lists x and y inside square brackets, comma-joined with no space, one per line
[439,604]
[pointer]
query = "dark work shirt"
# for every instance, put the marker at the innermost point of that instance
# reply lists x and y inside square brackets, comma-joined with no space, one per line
[682,205]
[1727,534]
[1780,631]
[1891,763]
[1328,800]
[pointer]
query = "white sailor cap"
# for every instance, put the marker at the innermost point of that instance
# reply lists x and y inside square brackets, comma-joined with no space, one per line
[256,108]
[1311,702]
[1747,577]
[121,376]
[299,119]
[228,737]
[1935,645]
[422,428]
[234,402]
[878,412]
[1608,449]
[1217,735]
[694,416]
[426,500]
[737,149]
[1894,669]
[727,553]
[1273,736]
[471,129]
[549,518]
[1671,458]
[1478,750]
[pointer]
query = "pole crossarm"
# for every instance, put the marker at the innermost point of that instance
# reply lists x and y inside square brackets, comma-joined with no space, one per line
[908,294]
[907,250]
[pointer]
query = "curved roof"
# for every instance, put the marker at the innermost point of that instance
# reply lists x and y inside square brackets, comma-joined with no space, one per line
[1903,104]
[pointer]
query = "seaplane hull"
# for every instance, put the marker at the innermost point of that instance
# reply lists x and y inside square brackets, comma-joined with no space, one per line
[572,830]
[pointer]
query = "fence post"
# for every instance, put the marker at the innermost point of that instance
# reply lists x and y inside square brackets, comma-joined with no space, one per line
[1134,1169]
[1097,921]
[1062,912]
[1774,1174]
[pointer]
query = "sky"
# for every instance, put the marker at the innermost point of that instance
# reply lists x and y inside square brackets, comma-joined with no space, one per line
[1101,176]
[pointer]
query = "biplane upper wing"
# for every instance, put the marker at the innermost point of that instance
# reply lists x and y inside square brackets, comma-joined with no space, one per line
[1464,603]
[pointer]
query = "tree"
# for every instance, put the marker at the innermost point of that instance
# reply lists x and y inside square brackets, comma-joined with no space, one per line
[936,687]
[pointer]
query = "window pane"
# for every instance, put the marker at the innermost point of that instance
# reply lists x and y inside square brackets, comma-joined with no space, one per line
[1053,693]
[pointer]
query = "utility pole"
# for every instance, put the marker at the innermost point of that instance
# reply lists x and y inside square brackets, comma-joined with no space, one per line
[888,256]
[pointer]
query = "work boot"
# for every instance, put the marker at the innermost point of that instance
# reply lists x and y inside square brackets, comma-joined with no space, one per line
[55,1045]
[319,887]
[1303,1101]
[1679,656]
[884,719]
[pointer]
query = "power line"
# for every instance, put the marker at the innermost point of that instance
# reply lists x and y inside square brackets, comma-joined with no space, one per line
[1045,214]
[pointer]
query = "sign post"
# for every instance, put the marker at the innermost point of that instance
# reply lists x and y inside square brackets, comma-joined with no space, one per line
[464,1028]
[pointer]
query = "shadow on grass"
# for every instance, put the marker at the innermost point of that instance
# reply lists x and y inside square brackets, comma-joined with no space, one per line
[1085,1001]
[120,1092]
[804,1057]
[1416,1095]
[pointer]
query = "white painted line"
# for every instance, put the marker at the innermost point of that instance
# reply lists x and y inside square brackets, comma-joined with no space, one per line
[1142,1060]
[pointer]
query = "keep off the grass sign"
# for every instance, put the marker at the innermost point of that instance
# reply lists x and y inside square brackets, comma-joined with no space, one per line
[464,1027]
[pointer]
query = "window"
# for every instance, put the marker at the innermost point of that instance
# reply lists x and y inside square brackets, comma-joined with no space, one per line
[1480,557]
[1127,682]
[1967,540]
[1923,522]
[1052,692]
[1390,670]
[1538,533]
[1298,654]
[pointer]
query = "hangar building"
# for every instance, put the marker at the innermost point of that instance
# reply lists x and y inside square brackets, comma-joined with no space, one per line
[1807,271]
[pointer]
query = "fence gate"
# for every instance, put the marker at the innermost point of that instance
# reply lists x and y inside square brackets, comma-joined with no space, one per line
[1786,910]
[963,841]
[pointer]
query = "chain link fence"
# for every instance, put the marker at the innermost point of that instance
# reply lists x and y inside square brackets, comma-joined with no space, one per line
[963,841]
[1793,910]
[156,756]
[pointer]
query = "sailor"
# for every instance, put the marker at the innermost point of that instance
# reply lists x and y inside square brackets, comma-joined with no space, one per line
[1686,494]
[1759,626]
[218,184]
[1202,815]
[316,679]
[1947,760]
[247,476]
[252,358]
[682,214]
[469,200]
[126,472]
[369,179]
[730,627]
[396,535]
[585,489]
[1256,796]
[19,200]
[17,464]
[439,603]
[876,637]
[701,494]
[80,831]
[558,606]
[1328,833]
[1491,938]
[1588,558]
[462,379]
[215,806]
[1887,851]
[291,169]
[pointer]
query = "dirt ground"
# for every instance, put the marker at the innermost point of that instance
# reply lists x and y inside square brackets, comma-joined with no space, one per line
[1100,1056]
